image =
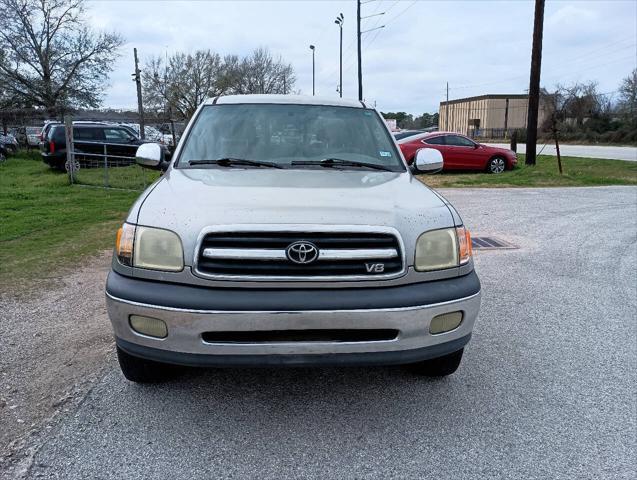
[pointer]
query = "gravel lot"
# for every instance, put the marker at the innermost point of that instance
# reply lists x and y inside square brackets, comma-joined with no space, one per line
[55,342]
[547,388]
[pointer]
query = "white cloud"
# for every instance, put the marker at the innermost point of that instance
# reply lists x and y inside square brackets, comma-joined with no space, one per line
[478,47]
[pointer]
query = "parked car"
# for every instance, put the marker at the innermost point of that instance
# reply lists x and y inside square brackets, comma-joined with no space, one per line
[152,134]
[167,135]
[28,137]
[318,248]
[91,141]
[406,133]
[460,152]
[32,136]
[20,135]
[10,143]
[3,153]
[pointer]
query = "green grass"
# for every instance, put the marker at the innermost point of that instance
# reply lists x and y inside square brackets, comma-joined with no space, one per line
[132,177]
[46,224]
[578,172]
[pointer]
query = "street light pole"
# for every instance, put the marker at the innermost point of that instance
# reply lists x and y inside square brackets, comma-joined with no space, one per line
[358,35]
[339,21]
[313,69]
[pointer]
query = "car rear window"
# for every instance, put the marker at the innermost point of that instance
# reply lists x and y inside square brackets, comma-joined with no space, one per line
[56,133]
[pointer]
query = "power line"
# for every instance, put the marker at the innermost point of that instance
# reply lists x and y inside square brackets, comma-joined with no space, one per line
[392,19]
[548,75]
[403,11]
[604,48]
[349,62]
[560,71]
[564,64]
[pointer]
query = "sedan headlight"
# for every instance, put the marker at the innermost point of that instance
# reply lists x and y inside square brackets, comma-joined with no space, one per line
[151,248]
[445,248]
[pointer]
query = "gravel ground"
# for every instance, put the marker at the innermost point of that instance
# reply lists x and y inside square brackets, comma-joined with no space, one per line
[55,339]
[547,388]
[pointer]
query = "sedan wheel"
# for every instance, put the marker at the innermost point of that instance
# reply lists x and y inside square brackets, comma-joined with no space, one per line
[497,165]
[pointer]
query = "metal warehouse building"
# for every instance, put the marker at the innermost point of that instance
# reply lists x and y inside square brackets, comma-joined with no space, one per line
[494,116]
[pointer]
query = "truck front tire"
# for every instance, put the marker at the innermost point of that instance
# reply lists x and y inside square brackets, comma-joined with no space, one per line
[140,370]
[438,367]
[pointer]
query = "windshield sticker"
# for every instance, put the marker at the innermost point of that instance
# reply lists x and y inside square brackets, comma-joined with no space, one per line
[385,154]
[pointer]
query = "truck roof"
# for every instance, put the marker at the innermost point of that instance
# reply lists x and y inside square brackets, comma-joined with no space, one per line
[284,99]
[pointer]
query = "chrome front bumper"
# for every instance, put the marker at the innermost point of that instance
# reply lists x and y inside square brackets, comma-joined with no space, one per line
[184,343]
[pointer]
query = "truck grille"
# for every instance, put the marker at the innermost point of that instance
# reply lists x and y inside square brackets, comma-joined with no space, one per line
[299,255]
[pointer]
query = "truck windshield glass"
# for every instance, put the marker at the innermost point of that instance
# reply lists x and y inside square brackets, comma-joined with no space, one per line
[292,136]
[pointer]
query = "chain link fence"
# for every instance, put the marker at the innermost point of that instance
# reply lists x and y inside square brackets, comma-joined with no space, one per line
[496,133]
[103,163]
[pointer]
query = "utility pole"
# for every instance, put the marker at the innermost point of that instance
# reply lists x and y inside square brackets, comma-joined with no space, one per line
[534,84]
[447,110]
[313,48]
[140,106]
[506,118]
[358,33]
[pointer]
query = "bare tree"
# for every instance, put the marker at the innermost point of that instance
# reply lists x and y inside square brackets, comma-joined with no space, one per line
[260,73]
[183,82]
[52,58]
[628,97]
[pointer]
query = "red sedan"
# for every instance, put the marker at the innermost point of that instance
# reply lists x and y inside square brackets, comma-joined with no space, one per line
[459,152]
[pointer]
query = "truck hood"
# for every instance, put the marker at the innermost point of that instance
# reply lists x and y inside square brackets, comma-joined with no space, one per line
[188,200]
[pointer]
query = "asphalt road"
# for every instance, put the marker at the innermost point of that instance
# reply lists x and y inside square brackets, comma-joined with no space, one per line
[547,388]
[586,151]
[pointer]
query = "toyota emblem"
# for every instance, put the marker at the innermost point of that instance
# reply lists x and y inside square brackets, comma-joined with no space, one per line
[302,252]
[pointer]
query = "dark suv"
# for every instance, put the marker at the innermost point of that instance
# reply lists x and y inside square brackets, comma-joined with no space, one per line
[92,141]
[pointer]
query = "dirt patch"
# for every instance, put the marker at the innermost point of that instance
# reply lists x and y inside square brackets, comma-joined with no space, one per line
[56,338]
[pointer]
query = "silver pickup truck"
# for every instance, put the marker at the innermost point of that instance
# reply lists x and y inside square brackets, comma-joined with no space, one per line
[288,230]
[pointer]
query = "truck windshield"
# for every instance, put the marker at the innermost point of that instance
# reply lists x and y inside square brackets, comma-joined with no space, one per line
[292,136]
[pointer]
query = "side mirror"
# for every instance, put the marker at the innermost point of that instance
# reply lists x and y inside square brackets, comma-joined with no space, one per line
[428,160]
[150,155]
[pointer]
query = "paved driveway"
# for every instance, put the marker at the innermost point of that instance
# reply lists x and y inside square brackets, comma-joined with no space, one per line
[547,388]
[585,151]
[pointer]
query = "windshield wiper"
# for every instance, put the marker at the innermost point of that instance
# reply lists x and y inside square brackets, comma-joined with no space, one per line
[230,161]
[339,162]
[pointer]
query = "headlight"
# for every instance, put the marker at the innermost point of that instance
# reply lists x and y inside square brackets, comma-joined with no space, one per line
[445,248]
[124,244]
[152,248]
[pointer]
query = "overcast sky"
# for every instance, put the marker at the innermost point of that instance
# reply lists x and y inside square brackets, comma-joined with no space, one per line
[477,46]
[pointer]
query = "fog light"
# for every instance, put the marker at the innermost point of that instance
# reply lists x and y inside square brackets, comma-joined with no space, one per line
[153,327]
[445,322]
